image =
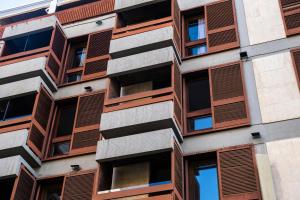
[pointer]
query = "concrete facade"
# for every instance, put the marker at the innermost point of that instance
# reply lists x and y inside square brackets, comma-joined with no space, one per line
[10,166]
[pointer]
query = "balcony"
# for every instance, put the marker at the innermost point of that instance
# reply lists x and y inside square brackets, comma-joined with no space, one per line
[134,17]
[33,39]
[157,157]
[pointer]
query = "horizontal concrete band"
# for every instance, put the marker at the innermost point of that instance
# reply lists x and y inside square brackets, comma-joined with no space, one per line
[135,145]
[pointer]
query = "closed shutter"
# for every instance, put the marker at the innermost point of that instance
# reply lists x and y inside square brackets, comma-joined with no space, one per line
[78,186]
[97,54]
[178,169]
[178,93]
[87,122]
[57,49]
[24,186]
[40,122]
[291,15]
[228,96]
[221,26]
[177,25]
[238,174]
[296,60]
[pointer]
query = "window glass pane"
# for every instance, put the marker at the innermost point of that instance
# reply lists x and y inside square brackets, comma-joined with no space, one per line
[60,148]
[16,45]
[196,29]
[38,40]
[201,123]
[79,57]
[207,182]
[197,50]
[73,77]
[3,105]
[20,107]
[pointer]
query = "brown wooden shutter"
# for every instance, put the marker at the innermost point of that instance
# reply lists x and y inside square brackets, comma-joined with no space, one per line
[177,25]
[291,16]
[2,28]
[296,61]
[178,93]
[78,186]
[178,169]
[237,172]
[97,54]
[24,186]
[221,26]
[57,49]
[87,122]
[40,122]
[228,96]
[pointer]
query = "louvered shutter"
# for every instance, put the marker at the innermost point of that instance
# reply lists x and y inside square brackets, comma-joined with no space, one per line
[296,60]
[57,48]
[291,15]
[177,25]
[228,96]
[24,186]
[238,174]
[2,28]
[221,26]
[40,122]
[87,122]
[97,54]
[78,186]
[178,93]
[178,169]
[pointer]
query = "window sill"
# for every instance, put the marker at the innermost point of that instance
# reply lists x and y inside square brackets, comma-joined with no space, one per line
[81,81]
[69,155]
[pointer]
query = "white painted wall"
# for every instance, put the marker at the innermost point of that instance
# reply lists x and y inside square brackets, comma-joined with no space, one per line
[285,163]
[264,21]
[277,87]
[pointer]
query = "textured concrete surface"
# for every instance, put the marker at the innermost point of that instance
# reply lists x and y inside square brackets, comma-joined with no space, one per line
[139,61]
[30,26]
[135,145]
[188,4]
[89,26]
[125,4]
[10,166]
[277,88]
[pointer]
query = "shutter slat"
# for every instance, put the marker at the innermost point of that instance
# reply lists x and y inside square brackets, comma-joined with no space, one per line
[238,177]
[296,60]
[177,25]
[178,169]
[291,15]
[24,186]
[228,98]
[221,26]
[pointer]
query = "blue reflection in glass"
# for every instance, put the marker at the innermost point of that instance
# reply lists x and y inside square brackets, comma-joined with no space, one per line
[202,123]
[196,30]
[207,180]
[197,50]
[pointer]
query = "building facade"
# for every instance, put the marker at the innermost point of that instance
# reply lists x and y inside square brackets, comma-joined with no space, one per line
[150,99]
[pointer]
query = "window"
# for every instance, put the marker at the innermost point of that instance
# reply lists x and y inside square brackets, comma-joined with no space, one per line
[28,42]
[6,188]
[50,189]
[17,107]
[79,56]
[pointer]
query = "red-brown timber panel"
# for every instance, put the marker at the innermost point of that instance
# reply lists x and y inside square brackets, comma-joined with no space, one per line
[177,24]
[228,96]
[178,169]
[285,3]
[291,16]
[177,81]
[78,186]
[40,122]
[238,178]
[296,60]
[2,28]
[85,139]
[24,186]
[221,26]
[97,54]
[86,11]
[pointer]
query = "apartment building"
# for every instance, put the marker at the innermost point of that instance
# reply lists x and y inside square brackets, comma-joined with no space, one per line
[150,100]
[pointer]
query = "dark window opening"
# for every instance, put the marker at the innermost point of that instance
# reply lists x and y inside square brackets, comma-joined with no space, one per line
[153,170]
[50,189]
[79,56]
[17,107]
[28,42]
[133,83]
[60,148]
[6,187]
[203,177]
[73,77]
[144,14]
[24,16]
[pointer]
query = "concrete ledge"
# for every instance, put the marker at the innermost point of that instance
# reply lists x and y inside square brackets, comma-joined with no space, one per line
[129,4]
[142,42]
[15,143]
[141,61]
[139,120]
[29,26]
[135,145]
[10,166]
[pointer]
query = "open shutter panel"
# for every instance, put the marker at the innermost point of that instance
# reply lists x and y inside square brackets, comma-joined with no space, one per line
[86,129]
[228,98]
[238,174]
[296,60]
[291,15]
[97,54]
[79,187]
[58,45]
[24,186]
[40,122]
[178,169]
[221,26]
[177,25]
[178,93]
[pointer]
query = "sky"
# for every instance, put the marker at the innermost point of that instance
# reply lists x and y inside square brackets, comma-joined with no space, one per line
[8,4]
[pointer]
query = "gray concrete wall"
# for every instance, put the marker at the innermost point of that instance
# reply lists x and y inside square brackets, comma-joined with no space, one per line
[89,26]
[135,145]
[10,166]
[128,4]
